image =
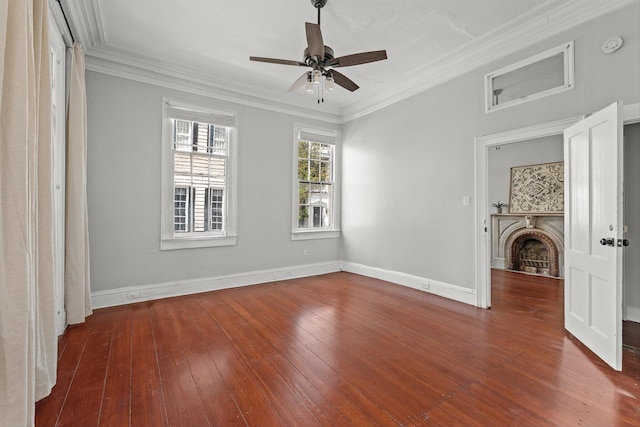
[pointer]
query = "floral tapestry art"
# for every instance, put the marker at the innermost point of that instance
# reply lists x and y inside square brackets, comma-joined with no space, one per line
[537,189]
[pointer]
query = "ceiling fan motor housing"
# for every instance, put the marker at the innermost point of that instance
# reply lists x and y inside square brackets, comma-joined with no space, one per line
[310,60]
[318,3]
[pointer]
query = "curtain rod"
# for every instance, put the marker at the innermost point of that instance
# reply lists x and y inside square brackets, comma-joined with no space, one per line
[66,21]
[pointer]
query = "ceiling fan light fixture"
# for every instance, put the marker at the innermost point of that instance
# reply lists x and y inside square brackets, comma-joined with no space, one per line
[316,77]
[310,87]
[329,83]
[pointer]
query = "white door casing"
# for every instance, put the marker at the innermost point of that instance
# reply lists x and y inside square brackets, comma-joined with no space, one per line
[57,51]
[593,211]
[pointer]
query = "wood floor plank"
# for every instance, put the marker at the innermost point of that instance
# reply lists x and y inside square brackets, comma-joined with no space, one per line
[73,344]
[84,400]
[147,396]
[115,410]
[339,350]
[335,387]
[242,381]
[255,352]
[205,360]
[181,398]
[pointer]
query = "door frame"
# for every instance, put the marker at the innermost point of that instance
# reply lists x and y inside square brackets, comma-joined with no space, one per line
[631,114]
[59,40]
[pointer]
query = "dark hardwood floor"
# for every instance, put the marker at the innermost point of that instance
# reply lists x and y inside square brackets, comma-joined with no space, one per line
[338,350]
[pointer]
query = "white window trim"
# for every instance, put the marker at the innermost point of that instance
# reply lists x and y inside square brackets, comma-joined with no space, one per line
[316,233]
[169,240]
[566,49]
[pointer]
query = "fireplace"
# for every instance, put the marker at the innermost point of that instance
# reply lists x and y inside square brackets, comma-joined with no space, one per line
[533,251]
[529,244]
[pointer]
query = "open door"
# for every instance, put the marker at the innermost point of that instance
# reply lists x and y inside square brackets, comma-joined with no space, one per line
[593,233]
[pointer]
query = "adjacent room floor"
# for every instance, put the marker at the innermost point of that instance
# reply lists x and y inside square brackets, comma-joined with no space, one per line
[338,350]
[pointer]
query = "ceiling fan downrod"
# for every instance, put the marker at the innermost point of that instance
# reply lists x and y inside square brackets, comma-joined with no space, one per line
[318,4]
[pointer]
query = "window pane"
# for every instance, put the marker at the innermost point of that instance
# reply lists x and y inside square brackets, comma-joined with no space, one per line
[303,150]
[325,152]
[303,170]
[314,171]
[182,135]
[303,217]
[215,208]
[303,191]
[325,172]
[180,203]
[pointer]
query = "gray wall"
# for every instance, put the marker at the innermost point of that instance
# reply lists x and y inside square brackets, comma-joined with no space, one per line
[504,157]
[406,169]
[632,219]
[410,164]
[124,150]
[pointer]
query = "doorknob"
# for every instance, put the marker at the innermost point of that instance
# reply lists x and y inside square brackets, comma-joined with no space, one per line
[609,241]
[623,242]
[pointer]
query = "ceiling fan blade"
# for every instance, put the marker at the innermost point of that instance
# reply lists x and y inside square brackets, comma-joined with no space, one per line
[359,58]
[344,81]
[300,82]
[277,61]
[314,40]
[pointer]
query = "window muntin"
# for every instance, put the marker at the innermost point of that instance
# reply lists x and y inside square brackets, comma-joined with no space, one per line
[199,176]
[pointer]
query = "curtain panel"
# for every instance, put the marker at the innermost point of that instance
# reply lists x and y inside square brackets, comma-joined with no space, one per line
[28,343]
[77,293]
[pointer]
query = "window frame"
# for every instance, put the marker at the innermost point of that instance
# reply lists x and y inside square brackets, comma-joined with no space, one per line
[323,136]
[567,52]
[169,238]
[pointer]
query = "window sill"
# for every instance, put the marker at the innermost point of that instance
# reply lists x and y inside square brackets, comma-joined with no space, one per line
[315,234]
[196,242]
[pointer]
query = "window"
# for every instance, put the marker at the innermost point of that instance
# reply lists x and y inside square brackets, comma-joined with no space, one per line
[199,158]
[315,209]
[545,74]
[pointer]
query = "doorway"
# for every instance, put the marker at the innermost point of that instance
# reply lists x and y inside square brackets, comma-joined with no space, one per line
[485,195]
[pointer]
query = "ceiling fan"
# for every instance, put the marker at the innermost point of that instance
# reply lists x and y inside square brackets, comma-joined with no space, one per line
[322,62]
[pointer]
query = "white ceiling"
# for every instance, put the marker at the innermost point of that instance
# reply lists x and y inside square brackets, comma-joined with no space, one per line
[210,41]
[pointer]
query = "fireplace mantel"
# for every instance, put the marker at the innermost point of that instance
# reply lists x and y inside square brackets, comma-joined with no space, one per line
[505,225]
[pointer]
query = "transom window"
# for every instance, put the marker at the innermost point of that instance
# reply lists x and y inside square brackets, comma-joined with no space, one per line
[198,161]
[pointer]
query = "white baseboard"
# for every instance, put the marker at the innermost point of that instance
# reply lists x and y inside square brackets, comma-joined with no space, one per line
[133,294]
[633,314]
[453,292]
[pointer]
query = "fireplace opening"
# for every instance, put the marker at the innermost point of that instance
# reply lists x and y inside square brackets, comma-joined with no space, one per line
[532,256]
[533,251]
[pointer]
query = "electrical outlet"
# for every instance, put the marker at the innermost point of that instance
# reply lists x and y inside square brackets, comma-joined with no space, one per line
[133,294]
[304,252]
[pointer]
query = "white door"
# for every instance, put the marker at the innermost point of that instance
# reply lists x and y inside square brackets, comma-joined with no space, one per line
[593,229]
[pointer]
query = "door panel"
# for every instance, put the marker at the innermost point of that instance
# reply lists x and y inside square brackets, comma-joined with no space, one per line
[593,211]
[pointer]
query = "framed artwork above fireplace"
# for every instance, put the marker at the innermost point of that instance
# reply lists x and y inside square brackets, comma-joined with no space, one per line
[537,189]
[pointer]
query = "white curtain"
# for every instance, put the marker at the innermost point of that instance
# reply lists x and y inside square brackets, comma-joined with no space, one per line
[28,343]
[77,294]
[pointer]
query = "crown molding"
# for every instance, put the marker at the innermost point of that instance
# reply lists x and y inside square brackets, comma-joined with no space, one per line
[86,22]
[486,50]
[195,86]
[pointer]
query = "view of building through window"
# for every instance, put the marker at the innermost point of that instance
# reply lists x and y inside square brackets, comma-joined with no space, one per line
[199,176]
